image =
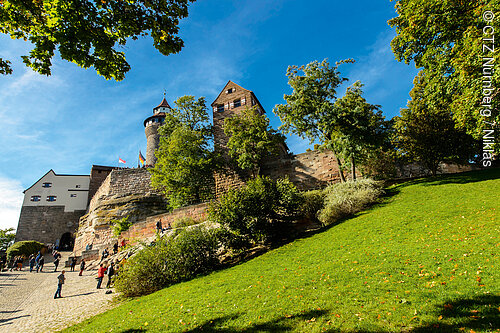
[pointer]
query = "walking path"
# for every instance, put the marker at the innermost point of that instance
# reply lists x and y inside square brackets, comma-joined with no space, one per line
[27,301]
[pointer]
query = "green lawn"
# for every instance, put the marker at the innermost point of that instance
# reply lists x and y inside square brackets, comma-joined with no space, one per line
[426,259]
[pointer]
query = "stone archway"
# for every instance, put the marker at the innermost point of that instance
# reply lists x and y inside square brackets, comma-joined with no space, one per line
[67,241]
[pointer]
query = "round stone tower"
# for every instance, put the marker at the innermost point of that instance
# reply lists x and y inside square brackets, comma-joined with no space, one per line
[151,124]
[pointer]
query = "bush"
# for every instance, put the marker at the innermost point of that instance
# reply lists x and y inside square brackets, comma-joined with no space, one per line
[172,259]
[25,248]
[121,225]
[255,210]
[344,199]
[313,203]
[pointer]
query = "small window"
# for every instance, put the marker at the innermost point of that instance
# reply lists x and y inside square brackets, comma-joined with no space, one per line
[220,108]
[51,198]
[230,91]
[237,103]
[73,195]
[78,186]
[35,198]
[47,185]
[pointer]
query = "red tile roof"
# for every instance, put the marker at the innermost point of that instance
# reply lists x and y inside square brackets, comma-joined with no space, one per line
[163,104]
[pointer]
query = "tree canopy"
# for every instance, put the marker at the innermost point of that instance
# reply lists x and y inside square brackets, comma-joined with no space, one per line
[451,41]
[183,171]
[90,32]
[356,126]
[309,108]
[251,139]
[425,131]
[7,237]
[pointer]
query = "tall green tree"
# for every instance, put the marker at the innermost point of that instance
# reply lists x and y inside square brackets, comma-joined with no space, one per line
[425,131]
[7,237]
[184,169]
[357,127]
[90,32]
[251,139]
[451,40]
[309,108]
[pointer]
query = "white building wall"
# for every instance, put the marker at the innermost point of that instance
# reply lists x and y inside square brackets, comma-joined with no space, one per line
[70,191]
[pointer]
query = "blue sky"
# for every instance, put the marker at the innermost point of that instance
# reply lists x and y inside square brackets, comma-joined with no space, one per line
[74,118]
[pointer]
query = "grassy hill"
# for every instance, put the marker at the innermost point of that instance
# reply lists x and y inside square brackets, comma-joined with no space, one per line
[426,259]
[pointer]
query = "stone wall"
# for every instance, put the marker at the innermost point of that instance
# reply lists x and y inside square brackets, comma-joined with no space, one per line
[124,193]
[98,175]
[416,170]
[310,170]
[147,228]
[46,224]
[130,181]
[227,179]
[122,182]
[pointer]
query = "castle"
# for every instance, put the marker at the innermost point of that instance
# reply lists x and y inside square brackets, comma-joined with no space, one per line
[79,208]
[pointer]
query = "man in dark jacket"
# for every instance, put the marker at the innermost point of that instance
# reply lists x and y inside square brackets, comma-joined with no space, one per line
[82,267]
[110,272]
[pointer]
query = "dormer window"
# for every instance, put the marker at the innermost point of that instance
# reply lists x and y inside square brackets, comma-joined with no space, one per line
[237,103]
[220,108]
[46,185]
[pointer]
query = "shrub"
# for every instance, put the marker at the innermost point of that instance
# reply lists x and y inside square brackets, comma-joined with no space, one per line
[172,259]
[348,198]
[121,225]
[313,203]
[24,248]
[255,210]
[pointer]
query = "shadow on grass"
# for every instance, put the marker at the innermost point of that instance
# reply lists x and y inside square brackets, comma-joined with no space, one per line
[133,331]
[282,324]
[478,313]
[456,178]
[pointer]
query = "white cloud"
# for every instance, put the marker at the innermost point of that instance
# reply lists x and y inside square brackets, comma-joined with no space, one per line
[11,199]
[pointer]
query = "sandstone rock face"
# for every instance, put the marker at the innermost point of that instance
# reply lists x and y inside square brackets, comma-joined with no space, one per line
[124,193]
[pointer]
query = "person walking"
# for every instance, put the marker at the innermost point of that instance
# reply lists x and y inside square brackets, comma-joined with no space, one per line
[19,263]
[82,267]
[40,264]
[56,263]
[60,282]
[32,262]
[110,272]
[100,275]
[73,264]
[37,260]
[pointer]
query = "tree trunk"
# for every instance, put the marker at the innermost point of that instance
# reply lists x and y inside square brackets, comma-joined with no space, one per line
[341,173]
[353,166]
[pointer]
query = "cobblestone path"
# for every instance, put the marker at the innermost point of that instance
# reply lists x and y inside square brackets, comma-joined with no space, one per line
[27,301]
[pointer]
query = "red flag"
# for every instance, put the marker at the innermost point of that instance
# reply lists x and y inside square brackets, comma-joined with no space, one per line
[121,161]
